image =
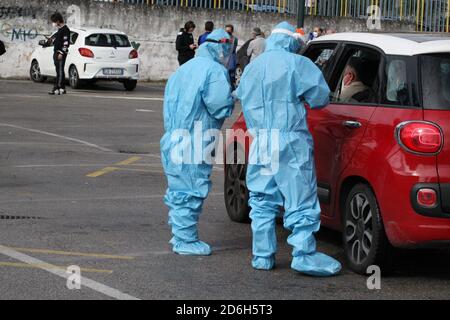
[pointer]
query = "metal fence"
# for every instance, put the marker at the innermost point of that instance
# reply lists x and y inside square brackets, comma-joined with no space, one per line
[427,15]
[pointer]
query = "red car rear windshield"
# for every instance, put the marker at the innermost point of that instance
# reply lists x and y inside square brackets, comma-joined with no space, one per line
[436,81]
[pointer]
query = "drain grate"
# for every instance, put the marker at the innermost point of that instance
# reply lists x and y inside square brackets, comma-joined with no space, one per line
[10,217]
[133,152]
[5,216]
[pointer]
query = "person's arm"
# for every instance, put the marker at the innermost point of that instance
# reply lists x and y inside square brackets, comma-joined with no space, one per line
[217,94]
[250,49]
[65,41]
[312,87]
[201,39]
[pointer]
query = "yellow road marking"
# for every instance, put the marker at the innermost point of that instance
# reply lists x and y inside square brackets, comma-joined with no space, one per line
[70,253]
[129,161]
[106,170]
[102,172]
[38,266]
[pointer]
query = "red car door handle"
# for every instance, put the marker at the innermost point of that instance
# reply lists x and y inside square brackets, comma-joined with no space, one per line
[352,124]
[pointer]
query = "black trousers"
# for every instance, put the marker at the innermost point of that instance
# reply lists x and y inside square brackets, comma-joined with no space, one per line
[60,76]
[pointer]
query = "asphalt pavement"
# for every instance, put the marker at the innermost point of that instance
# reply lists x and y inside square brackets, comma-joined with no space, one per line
[81,184]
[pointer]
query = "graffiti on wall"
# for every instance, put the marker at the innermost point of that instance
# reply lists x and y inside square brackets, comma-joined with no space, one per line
[20,32]
[17,12]
[73,13]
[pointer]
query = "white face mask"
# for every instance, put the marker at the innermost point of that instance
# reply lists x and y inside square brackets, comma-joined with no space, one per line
[54,24]
[315,34]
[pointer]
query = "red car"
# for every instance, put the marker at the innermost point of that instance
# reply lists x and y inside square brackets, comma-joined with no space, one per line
[382,156]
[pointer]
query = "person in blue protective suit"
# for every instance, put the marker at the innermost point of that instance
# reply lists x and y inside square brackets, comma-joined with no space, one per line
[198,93]
[272,90]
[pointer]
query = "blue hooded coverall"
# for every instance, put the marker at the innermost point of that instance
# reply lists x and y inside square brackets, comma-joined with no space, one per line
[198,92]
[271,90]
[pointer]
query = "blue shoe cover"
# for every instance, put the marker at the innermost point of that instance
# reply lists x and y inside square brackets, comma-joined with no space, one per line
[316,264]
[260,263]
[196,248]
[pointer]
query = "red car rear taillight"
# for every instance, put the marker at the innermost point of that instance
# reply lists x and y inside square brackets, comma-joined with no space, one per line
[85,52]
[133,54]
[420,137]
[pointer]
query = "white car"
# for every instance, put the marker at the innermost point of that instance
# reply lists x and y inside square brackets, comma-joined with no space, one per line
[94,54]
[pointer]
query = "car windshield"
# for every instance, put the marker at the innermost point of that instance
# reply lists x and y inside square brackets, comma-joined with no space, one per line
[107,40]
[436,81]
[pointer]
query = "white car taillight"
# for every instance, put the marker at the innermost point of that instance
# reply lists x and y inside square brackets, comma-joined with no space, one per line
[85,52]
[133,54]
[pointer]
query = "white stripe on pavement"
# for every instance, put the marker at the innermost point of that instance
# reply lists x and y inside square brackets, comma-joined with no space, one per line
[144,110]
[58,136]
[115,97]
[152,196]
[85,282]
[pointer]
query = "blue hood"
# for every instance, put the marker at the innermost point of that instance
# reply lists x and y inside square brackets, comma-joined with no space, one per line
[215,50]
[278,41]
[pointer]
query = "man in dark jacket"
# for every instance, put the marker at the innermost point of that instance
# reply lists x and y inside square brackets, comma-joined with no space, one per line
[185,43]
[2,48]
[61,42]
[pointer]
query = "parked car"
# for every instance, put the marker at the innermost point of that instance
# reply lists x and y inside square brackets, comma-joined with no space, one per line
[383,161]
[94,54]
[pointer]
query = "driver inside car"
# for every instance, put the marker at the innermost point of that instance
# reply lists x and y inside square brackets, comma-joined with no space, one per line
[353,88]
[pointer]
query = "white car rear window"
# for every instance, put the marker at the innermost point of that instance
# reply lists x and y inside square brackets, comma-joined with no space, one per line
[107,40]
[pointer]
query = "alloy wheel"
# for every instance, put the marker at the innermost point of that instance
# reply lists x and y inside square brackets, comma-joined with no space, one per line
[358,228]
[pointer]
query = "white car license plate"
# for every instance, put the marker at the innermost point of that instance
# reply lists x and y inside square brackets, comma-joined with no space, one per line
[113,72]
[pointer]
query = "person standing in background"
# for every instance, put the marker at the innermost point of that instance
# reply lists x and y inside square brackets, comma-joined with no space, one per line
[61,42]
[185,43]
[232,60]
[317,32]
[209,27]
[258,45]
[2,48]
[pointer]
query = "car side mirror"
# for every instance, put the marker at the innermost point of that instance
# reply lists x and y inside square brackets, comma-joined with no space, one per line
[43,43]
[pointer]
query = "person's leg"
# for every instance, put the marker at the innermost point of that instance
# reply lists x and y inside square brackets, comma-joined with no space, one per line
[55,89]
[62,75]
[232,74]
[265,202]
[188,186]
[297,182]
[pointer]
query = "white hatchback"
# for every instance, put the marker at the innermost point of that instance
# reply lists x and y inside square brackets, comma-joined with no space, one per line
[94,54]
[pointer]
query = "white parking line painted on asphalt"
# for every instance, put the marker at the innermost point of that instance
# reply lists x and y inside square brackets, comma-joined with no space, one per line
[152,196]
[25,96]
[57,136]
[144,110]
[86,165]
[85,282]
[90,165]
[116,97]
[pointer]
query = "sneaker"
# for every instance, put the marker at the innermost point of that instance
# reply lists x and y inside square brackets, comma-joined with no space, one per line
[54,92]
[62,91]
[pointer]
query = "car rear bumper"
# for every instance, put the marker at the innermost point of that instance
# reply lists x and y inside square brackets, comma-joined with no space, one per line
[95,70]
[406,225]
[418,233]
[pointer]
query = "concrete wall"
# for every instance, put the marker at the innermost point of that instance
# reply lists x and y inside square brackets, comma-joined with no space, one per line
[23,22]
